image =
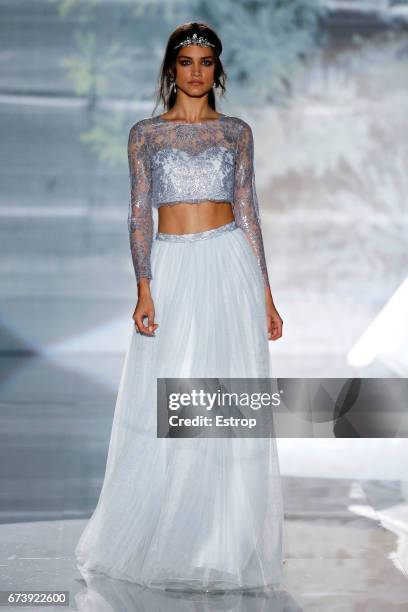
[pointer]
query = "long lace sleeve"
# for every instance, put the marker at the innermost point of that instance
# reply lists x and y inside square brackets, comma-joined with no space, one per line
[245,205]
[140,215]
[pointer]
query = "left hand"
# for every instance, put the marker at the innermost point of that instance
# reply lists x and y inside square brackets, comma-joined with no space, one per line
[273,318]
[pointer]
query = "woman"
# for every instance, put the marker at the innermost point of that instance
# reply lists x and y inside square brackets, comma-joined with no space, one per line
[197,513]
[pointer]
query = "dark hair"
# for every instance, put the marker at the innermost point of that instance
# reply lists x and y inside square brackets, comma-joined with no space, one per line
[166,92]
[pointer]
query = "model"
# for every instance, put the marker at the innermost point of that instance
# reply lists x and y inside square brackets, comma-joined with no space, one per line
[196,513]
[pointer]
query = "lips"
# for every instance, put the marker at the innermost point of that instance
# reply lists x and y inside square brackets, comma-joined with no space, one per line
[196,82]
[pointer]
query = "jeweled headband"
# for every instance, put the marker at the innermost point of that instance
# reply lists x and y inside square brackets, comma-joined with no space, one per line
[194,40]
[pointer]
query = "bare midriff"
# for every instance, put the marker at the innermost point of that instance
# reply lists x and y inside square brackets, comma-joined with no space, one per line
[188,218]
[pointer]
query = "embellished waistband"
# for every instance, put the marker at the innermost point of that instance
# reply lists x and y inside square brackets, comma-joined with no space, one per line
[210,233]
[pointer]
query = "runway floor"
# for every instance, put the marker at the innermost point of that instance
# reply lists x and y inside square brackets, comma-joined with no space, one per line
[345,522]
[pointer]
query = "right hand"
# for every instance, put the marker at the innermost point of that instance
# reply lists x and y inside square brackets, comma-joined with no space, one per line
[145,308]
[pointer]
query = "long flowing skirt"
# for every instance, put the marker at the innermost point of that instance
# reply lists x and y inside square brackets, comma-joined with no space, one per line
[196,513]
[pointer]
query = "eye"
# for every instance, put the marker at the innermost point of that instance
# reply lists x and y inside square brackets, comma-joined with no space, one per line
[206,62]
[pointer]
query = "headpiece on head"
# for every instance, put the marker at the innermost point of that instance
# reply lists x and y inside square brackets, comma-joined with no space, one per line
[194,40]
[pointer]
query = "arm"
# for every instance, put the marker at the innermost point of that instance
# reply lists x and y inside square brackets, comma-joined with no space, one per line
[246,207]
[140,215]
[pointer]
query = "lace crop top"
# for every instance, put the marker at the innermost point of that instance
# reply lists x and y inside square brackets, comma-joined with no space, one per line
[176,161]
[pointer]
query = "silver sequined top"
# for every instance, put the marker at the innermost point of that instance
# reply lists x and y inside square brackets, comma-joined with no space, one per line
[177,161]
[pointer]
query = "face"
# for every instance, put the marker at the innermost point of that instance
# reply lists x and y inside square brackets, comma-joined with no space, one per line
[195,67]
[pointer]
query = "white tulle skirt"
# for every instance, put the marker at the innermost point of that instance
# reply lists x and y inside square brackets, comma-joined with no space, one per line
[191,513]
